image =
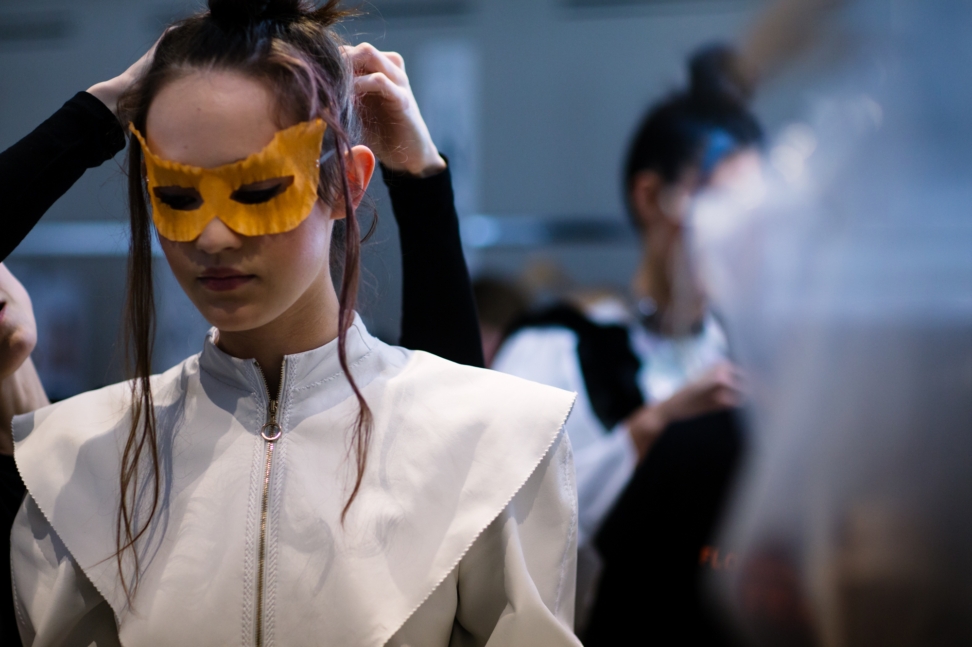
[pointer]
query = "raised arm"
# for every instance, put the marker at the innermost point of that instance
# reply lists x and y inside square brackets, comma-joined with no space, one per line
[40,168]
[438,312]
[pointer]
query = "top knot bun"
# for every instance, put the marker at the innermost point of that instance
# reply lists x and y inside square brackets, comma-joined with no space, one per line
[716,75]
[240,13]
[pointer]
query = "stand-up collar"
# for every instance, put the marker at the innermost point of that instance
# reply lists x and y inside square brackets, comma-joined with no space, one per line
[302,369]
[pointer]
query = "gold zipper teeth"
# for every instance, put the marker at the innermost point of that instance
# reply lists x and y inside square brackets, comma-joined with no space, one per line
[265,506]
[272,405]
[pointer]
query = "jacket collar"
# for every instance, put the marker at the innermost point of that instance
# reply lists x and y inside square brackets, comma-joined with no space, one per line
[301,370]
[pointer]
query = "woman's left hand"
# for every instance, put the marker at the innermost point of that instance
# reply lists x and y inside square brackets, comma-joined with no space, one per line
[394,128]
[109,91]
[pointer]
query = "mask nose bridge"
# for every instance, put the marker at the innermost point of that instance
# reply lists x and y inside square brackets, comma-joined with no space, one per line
[216,188]
[293,152]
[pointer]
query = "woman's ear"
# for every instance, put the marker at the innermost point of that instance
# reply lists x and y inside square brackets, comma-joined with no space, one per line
[361,166]
[646,196]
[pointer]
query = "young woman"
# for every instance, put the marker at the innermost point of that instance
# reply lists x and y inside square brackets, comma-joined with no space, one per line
[298,481]
[438,315]
[665,359]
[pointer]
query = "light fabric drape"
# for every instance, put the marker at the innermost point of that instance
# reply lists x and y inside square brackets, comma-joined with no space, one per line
[463,533]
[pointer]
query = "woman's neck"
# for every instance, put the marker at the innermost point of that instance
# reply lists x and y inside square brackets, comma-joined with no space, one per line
[310,323]
[680,306]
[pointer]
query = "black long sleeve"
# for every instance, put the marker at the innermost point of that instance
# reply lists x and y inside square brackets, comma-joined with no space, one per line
[438,311]
[42,166]
[34,173]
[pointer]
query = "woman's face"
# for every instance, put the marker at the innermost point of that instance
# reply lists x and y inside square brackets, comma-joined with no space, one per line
[737,172]
[207,119]
[671,203]
[18,331]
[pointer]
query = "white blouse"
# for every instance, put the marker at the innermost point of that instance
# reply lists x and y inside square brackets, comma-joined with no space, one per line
[463,533]
[606,459]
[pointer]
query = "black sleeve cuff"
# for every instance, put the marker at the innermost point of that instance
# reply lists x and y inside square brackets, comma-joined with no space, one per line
[107,133]
[399,179]
[421,201]
[37,170]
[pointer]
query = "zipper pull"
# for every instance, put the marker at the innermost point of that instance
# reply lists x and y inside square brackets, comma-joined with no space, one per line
[271,431]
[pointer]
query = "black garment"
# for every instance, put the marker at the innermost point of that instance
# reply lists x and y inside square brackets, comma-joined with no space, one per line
[12,491]
[651,591]
[438,312]
[42,166]
[608,364]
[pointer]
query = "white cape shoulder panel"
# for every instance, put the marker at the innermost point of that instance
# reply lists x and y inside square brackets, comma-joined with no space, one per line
[463,532]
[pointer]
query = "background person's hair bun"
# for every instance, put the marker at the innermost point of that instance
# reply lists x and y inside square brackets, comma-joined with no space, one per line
[240,13]
[716,75]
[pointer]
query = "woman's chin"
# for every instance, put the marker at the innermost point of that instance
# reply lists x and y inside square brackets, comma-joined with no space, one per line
[15,347]
[236,319]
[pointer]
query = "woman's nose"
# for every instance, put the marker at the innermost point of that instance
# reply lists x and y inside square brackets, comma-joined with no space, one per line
[217,237]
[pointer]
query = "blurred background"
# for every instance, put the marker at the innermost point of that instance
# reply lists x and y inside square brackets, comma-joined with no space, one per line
[846,281]
[532,100]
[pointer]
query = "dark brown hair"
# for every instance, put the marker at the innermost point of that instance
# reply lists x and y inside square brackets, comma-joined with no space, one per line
[291,46]
[696,127]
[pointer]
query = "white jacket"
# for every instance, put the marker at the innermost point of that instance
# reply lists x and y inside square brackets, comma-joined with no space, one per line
[463,532]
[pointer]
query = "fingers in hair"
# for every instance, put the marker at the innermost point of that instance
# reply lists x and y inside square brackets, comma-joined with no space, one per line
[379,84]
[367,59]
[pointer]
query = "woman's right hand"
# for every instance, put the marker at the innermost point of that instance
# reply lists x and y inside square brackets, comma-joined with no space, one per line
[717,389]
[109,91]
[21,390]
[18,330]
[394,128]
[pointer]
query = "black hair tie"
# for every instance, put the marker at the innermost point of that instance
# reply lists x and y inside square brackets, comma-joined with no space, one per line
[243,13]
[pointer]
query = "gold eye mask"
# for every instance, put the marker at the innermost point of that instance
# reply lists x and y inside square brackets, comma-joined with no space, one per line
[269,192]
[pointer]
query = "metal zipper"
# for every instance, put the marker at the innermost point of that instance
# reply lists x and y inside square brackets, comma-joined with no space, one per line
[271,433]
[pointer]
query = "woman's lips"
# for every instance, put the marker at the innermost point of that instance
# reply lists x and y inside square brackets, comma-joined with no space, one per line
[222,281]
[3,310]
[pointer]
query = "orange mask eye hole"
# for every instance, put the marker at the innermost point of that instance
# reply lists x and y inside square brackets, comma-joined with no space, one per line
[180,198]
[260,192]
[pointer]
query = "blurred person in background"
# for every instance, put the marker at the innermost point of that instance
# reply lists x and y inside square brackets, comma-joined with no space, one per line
[846,288]
[663,359]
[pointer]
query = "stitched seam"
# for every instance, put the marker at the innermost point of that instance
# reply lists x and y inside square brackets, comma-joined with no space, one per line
[336,375]
[47,518]
[270,574]
[462,555]
[248,546]
[270,581]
